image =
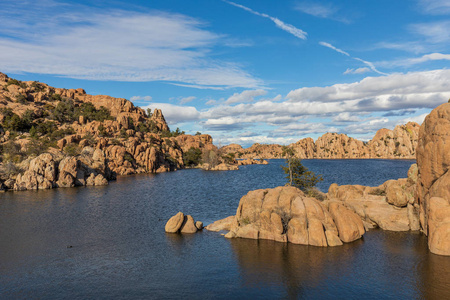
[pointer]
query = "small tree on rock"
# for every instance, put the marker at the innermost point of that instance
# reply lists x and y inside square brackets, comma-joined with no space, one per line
[297,174]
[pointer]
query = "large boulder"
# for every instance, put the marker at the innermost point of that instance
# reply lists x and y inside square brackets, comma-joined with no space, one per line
[285,214]
[174,224]
[388,206]
[188,225]
[41,174]
[433,161]
[181,223]
[223,224]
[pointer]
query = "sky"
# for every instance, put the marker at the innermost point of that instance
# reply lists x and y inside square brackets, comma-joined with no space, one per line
[245,71]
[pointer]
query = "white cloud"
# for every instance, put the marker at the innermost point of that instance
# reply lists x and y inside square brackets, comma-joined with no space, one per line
[245,96]
[414,47]
[411,84]
[176,113]
[357,71]
[434,32]
[417,60]
[141,98]
[280,24]
[320,10]
[83,43]
[418,119]
[316,9]
[346,117]
[351,108]
[435,7]
[187,99]
[371,125]
[211,102]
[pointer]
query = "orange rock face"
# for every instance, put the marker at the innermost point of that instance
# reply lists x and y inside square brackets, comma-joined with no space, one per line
[285,214]
[130,140]
[433,186]
[389,206]
[398,143]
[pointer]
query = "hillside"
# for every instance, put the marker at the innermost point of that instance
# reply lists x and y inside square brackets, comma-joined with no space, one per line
[54,137]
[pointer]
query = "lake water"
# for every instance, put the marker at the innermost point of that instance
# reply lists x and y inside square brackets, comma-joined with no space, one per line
[109,243]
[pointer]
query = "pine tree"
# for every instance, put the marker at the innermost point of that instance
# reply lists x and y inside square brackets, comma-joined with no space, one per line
[297,174]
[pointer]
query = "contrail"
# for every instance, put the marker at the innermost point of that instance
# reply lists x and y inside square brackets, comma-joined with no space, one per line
[280,24]
[368,63]
[325,44]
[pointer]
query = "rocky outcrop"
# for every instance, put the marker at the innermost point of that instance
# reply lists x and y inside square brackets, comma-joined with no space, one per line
[433,184]
[181,223]
[398,143]
[41,174]
[389,206]
[131,140]
[222,167]
[250,161]
[202,141]
[285,214]
[46,172]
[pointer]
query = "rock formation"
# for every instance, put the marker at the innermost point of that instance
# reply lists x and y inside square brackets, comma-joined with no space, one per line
[389,206]
[122,139]
[398,143]
[181,223]
[285,214]
[433,184]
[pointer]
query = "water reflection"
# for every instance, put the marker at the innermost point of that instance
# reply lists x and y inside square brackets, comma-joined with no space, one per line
[384,264]
[296,267]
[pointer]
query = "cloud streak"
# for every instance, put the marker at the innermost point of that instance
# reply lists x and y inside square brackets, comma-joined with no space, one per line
[280,24]
[368,63]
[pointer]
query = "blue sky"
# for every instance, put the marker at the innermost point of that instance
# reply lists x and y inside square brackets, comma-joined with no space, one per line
[245,71]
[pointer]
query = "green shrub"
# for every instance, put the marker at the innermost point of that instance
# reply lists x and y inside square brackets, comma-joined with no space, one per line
[64,111]
[46,127]
[13,122]
[37,86]
[128,157]
[297,174]
[36,147]
[72,149]
[90,113]
[59,134]
[22,99]
[192,157]
[12,152]
[16,82]
[9,169]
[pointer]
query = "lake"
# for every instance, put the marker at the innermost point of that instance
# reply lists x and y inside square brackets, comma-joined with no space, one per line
[109,243]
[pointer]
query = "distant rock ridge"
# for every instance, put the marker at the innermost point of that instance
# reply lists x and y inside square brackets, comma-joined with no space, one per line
[388,144]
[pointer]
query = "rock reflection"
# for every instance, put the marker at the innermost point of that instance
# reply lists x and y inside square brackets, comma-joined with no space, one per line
[436,277]
[295,267]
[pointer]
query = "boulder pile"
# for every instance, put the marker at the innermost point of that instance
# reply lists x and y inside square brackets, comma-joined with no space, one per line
[286,214]
[181,223]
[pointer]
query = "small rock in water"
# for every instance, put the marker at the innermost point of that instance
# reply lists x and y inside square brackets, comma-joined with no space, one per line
[183,223]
